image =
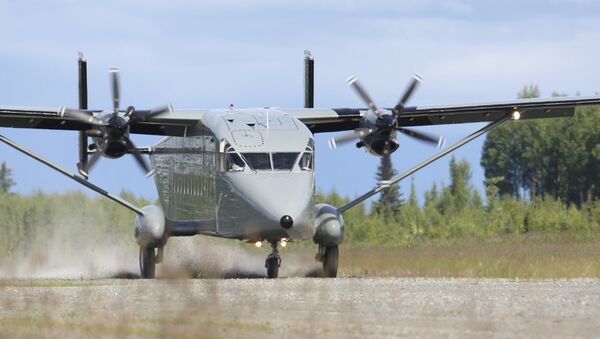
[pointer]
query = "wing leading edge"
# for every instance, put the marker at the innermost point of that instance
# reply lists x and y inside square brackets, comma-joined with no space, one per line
[175,123]
[340,119]
[178,123]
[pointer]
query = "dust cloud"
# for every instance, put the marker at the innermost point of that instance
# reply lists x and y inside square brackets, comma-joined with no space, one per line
[207,258]
[197,257]
[57,259]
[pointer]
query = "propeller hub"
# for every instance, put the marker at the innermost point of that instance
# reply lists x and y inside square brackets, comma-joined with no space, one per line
[385,120]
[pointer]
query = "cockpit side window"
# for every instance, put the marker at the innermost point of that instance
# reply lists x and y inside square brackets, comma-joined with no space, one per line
[234,163]
[230,159]
[258,161]
[306,161]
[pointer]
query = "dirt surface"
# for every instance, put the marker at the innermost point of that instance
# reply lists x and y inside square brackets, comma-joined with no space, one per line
[300,307]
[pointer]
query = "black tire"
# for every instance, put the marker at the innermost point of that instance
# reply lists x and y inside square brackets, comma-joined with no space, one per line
[330,262]
[147,262]
[272,267]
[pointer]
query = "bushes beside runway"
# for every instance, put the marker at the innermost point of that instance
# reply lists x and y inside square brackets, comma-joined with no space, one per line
[457,211]
[70,221]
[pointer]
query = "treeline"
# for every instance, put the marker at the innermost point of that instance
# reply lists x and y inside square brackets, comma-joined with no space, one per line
[457,211]
[558,158]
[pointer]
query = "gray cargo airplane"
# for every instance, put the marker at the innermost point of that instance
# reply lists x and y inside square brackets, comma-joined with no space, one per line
[248,174]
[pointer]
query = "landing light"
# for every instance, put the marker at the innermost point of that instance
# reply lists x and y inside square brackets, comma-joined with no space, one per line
[283,242]
[258,244]
[516,115]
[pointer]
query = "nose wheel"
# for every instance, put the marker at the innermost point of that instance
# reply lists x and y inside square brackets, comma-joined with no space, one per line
[273,262]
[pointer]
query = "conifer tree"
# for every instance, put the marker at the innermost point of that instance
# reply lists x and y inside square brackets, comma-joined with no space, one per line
[390,199]
[6,181]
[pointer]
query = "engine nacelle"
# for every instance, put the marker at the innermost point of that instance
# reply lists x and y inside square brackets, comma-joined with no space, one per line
[329,226]
[114,136]
[383,139]
[379,146]
[150,227]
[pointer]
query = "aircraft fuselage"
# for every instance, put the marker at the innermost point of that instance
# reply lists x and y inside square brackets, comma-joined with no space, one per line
[245,174]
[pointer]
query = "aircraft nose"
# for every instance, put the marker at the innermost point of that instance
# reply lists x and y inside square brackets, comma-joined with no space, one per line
[282,199]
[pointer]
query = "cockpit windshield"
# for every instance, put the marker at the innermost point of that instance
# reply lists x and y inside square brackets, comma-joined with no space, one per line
[233,161]
[258,161]
[284,161]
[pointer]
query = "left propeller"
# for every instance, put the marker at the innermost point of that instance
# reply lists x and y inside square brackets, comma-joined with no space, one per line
[110,130]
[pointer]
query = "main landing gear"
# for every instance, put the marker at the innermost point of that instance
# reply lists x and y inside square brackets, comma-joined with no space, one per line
[149,257]
[328,255]
[273,262]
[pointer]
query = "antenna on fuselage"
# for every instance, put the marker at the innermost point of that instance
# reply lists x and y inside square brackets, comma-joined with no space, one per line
[309,80]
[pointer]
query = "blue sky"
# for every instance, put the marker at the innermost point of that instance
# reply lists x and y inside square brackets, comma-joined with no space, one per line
[208,55]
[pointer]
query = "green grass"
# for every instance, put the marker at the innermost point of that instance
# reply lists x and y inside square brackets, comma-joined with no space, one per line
[530,256]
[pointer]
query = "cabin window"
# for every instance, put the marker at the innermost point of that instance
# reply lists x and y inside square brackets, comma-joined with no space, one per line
[284,161]
[258,161]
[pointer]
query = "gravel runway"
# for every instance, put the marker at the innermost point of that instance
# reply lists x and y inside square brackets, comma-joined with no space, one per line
[300,307]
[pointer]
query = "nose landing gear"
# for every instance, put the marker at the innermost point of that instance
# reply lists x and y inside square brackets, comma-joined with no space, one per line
[273,262]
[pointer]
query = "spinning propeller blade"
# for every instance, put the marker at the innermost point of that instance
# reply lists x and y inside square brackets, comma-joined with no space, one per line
[81,116]
[94,159]
[353,82]
[147,115]
[138,157]
[427,138]
[410,89]
[356,134]
[114,80]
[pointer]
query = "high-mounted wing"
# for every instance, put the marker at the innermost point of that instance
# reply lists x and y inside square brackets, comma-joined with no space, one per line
[176,123]
[341,119]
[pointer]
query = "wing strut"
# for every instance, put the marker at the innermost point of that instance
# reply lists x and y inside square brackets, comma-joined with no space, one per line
[386,184]
[78,179]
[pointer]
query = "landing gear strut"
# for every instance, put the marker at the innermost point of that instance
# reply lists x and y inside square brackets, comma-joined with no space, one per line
[273,262]
[148,260]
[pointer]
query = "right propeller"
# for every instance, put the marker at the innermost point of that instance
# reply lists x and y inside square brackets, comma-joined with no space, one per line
[378,128]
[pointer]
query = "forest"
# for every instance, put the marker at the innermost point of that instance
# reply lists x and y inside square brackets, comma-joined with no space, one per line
[541,176]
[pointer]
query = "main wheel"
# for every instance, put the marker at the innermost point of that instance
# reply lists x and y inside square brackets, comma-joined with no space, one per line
[147,262]
[330,262]
[272,265]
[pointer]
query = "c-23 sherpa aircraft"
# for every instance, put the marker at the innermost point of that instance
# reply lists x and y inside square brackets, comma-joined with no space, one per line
[247,174]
